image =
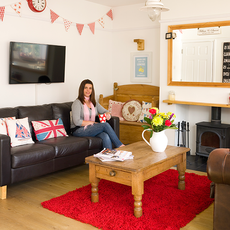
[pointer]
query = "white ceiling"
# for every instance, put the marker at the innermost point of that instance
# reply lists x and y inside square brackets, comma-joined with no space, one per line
[114,3]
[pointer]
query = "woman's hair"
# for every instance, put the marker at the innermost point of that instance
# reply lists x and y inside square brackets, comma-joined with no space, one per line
[81,96]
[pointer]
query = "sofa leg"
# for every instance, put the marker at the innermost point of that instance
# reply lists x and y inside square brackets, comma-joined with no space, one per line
[3,192]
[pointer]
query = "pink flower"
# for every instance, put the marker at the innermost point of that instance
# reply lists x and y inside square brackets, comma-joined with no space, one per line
[168,123]
[152,111]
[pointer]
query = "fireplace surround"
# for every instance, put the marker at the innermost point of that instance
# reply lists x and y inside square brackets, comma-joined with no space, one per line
[212,135]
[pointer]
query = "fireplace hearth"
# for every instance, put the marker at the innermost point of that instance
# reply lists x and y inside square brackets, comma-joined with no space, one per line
[212,135]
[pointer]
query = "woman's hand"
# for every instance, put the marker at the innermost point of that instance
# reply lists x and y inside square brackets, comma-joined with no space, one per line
[108,116]
[85,123]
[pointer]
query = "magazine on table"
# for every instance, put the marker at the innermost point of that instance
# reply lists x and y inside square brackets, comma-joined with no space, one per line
[113,155]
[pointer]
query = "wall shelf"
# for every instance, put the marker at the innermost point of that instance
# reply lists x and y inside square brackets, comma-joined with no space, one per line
[170,102]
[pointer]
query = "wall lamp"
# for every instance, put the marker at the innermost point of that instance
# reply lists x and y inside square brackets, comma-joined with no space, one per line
[140,44]
[170,35]
[154,8]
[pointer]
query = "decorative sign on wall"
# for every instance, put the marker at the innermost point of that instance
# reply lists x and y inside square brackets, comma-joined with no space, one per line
[67,23]
[226,62]
[208,31]
[140,67]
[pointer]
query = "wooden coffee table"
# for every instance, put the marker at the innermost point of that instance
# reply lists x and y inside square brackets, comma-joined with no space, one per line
[146,164]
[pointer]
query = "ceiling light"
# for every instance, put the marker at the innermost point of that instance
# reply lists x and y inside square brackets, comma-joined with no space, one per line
[154,8]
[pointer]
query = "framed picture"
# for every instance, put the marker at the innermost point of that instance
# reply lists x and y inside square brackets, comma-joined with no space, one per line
[140,64]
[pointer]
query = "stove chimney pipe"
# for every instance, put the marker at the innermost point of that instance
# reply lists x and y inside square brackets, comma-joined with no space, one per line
[216,115]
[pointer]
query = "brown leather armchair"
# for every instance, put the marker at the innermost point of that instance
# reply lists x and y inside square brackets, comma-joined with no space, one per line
[218,169]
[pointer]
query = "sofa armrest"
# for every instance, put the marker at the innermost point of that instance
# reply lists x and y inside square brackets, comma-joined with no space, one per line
[218,166]
[115,124]
[5,160]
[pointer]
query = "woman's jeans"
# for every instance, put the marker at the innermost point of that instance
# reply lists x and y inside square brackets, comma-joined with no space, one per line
[102,130]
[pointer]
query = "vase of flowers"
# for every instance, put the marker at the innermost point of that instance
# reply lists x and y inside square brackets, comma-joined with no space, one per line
[157,123]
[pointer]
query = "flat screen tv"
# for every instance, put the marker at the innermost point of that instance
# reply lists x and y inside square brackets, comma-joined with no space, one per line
[36,63]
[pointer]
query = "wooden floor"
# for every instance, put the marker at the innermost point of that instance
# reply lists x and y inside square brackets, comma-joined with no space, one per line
[22,209]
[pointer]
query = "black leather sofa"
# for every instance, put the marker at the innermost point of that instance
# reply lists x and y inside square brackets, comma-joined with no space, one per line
[32,160]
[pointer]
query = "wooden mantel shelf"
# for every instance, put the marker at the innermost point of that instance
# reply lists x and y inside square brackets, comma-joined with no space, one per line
[170,102]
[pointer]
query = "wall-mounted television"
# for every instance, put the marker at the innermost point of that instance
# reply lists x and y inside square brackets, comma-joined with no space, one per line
[36,63]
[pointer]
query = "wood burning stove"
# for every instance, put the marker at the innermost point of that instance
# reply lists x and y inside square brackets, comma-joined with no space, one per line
[212,135]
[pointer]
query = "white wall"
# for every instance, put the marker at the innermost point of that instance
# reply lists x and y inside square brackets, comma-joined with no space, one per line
[184,12]
[87,55]
[103,57]
[130,23]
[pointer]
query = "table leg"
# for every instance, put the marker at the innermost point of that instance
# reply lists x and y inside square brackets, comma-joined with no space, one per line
[137,191]
[138,206]
[181,170]
[94,183]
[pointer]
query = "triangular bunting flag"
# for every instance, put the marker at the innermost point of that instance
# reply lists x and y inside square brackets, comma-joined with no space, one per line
[2,12]
[110,14]
[80,28]
[101,22]
[53,16]
[67,24]
[17,7]
[92,27]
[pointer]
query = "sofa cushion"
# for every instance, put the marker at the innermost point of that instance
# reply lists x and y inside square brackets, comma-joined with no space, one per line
[131,110]
[35,113]
[144,111]
[115,108]
[62,110]
[3,125]
[19,131]
[94,142]
[31,154]
[48,129]
[67,145]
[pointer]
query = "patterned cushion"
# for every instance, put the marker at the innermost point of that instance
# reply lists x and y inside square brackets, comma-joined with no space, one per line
[3,125]
[19,131]
[115,109]
[48,129]
[131,110]
[145,111]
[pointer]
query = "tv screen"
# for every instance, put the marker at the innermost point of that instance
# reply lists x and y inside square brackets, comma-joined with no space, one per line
[36,63]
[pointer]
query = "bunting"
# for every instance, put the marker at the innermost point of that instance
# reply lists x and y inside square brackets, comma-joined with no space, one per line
[92,26]
[110,14]
[101,22]
[67,24]
[79,27]
[17,7]
[53,16]
[2,12]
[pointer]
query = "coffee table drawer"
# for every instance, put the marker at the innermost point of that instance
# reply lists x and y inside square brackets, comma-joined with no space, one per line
[114,175]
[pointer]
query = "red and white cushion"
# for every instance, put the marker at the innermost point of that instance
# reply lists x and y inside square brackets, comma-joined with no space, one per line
[3,125]
[19,131]
[48,129]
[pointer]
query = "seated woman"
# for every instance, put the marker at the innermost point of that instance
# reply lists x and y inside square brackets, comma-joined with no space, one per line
[84,110]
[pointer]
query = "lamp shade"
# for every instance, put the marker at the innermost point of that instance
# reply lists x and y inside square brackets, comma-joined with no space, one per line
[154,8]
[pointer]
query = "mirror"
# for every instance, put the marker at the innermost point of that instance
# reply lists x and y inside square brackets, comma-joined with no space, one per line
[199,55]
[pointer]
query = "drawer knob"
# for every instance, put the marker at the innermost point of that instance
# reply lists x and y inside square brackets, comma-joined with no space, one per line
[112,173]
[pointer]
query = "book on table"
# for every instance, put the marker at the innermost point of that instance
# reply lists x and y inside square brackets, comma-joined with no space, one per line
[113,155]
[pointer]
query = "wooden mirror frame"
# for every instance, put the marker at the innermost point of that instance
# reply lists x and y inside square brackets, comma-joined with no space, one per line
[170,50]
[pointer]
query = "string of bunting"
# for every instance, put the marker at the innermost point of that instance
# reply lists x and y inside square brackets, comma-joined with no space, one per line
[54,16]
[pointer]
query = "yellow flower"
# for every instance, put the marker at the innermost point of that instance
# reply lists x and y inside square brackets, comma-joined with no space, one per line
[157,121]
[163,115]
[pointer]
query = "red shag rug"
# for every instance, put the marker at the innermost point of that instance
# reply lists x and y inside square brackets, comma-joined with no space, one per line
[165,207]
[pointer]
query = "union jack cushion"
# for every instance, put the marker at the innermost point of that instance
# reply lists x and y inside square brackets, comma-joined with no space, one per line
[48,129]
[19,131]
